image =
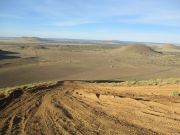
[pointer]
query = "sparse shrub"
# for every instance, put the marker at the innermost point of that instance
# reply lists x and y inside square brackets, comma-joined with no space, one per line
[2,95]
[176,93]
[151,82]
[8,91]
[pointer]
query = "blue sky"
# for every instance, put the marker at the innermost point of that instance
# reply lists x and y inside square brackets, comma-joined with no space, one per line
[126,20]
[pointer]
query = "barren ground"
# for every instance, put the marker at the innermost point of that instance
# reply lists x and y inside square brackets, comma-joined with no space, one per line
[88,107]
[75,107]
[24,63]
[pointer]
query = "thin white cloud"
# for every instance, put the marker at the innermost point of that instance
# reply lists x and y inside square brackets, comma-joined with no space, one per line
[159,20]
[165,18]
[72,23]
[76,12]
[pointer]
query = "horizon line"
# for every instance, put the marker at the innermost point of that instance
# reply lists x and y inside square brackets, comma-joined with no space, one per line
[85,39]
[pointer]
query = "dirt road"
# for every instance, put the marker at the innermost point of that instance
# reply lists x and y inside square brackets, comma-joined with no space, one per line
[74,107]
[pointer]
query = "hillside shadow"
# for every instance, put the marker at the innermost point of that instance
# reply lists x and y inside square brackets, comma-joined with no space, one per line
[104,81]
[8,55]
[7,100]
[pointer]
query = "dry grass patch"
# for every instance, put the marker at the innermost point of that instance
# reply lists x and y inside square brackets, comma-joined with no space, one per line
[7,91]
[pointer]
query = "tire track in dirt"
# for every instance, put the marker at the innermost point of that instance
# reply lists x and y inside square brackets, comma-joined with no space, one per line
[72,107]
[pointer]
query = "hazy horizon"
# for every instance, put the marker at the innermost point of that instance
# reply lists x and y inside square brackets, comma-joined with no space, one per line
[89,40]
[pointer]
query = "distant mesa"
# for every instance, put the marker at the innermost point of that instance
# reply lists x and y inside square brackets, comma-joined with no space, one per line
[29,39]
[24,40]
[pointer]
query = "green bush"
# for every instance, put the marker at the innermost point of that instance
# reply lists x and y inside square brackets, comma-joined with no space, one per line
[176,93]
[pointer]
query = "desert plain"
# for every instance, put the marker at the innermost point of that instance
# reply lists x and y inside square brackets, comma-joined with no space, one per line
[83,87]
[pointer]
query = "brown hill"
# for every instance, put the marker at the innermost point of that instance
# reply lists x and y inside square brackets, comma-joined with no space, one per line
[137,50]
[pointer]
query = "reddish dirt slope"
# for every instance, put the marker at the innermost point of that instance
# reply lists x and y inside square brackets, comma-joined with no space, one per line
[73,107]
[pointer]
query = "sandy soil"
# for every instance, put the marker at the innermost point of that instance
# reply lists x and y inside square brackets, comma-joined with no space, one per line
[73,107]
